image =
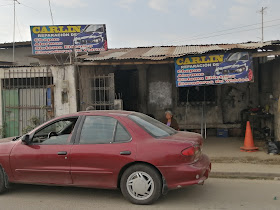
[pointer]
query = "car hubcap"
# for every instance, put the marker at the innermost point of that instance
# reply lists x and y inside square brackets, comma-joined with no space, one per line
[140,185]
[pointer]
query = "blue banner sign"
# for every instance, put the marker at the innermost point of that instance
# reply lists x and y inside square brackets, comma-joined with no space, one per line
[64,38]
[214,69]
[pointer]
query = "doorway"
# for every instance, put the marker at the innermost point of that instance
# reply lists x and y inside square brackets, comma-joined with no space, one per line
[126,86]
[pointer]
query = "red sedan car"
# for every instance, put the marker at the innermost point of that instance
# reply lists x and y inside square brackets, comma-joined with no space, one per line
[106,149]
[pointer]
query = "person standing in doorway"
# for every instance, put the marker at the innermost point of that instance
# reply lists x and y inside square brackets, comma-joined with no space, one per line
[170,121]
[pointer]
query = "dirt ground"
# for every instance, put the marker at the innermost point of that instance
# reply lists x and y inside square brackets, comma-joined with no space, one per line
[227,150]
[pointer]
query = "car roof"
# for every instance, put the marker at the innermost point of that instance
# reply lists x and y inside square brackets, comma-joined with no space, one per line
[107,112]
[98,112]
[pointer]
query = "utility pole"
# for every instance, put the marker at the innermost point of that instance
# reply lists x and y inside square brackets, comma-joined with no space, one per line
[51,12]
[262,11]
[14,32]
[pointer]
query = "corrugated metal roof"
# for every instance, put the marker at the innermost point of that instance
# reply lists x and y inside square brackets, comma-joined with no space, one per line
[183,50]
[158,51]
[134,53]
[17,44]
[165,52]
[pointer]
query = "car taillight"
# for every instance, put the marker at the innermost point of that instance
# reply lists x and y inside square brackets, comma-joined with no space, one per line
[193,152]
[189,151]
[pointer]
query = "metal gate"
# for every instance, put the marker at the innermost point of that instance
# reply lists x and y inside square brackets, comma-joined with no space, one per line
[102,92]
[24,99]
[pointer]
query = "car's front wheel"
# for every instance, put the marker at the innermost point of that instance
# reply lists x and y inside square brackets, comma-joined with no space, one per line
[141,184]
[2,181]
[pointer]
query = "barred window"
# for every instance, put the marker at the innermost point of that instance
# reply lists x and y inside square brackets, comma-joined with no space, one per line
[100,92]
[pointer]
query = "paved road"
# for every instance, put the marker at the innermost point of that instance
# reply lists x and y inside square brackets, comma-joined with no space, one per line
[215,194]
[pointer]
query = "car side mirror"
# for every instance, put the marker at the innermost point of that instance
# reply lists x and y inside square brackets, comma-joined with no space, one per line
[26,139]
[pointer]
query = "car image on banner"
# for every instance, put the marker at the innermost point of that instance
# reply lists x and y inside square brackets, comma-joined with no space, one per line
[92,35]
[237,64]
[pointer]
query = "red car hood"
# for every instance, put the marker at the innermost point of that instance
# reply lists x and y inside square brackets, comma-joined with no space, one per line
[6,145]
[6,139]
[185,136]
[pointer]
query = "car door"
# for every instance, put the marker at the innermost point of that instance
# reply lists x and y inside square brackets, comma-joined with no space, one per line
[103,146]
[45,158]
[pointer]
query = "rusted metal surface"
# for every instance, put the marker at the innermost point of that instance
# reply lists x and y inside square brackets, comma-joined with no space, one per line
[167,52]
[134,53]
[17,44]
[183,50]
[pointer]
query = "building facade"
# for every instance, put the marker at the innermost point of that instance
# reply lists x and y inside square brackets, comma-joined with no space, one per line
[143,79]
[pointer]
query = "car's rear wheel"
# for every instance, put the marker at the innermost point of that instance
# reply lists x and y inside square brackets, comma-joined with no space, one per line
[2,181]
[141,184]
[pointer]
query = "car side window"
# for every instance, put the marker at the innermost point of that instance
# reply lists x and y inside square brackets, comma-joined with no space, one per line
[103,130]
[98,130]
[55,133]
[121,134]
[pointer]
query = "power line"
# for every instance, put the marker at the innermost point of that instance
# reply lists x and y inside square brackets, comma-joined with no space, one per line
[204,37]
[20,4]
[216,32]
[30,7]
[6,5]
[234,32]
[231,29]
[53,24]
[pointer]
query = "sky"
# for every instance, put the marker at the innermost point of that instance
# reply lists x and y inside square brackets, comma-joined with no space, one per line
[134,23]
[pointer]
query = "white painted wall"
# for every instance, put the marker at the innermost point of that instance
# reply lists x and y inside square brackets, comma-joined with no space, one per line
[60,74]
[22,56]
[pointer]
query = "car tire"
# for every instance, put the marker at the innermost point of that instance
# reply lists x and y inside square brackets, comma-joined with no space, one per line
[2,181]
[141,184]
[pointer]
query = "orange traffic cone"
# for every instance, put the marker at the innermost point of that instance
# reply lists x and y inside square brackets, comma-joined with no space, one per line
[248,141]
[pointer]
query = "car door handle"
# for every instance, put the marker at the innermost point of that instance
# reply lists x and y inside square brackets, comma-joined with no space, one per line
[125,153]
[62,153]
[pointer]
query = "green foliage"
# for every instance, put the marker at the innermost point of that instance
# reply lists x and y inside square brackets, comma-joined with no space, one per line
[34,122]
[2,131]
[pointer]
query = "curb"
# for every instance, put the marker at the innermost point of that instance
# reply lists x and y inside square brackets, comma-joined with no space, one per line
[271,161]
[245,175]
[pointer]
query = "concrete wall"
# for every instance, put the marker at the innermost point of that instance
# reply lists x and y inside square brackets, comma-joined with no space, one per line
[22,56]
[54,59]
[160,89]
[270,91]
[65,95]
[162,94]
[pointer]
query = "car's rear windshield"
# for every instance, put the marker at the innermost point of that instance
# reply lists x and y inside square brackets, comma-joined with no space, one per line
[152,126]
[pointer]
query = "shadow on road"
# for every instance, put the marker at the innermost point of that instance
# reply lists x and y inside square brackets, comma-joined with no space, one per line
[43,192]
